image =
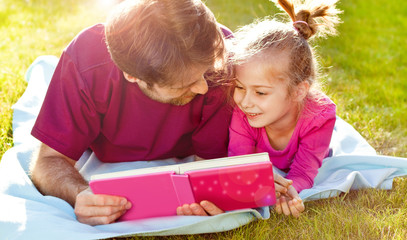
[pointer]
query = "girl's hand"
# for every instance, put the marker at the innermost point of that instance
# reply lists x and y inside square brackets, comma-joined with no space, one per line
[290,203]
[204,208]
[281,184]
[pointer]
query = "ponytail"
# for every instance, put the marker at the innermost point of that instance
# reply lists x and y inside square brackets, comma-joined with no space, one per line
[313,17]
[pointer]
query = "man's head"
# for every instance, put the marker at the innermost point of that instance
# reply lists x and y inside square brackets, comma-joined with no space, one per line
[164,43]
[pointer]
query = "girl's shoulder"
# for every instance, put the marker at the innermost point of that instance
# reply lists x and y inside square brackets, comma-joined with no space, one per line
[317,110]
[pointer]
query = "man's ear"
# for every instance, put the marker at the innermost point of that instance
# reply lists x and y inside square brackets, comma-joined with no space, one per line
[130,78]
[301,91]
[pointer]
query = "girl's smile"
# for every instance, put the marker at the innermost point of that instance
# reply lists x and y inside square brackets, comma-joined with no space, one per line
[252,116]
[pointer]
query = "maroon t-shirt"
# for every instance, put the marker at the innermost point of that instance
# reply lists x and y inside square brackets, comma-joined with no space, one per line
[89,104]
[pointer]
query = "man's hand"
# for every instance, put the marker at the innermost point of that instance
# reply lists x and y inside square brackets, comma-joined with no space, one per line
[55,174]
[290,203]
[95,209]
[204,208]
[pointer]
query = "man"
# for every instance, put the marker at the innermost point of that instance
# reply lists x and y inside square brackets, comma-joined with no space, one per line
[132,89]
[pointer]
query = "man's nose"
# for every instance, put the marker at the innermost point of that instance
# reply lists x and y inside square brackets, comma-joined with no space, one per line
[200,87]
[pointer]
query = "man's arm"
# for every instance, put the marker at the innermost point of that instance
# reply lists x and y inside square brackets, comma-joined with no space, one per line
[54,174]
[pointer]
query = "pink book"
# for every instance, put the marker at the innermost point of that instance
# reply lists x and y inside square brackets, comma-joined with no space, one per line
[230,183]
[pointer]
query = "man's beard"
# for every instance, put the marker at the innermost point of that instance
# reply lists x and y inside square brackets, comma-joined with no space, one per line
[182,100]
[178,101]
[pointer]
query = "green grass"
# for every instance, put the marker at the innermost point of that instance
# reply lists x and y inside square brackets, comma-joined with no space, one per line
[30,28]
[364,214]
[365,74]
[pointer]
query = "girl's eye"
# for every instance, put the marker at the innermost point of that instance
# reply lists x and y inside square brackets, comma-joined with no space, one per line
[238,87]
[260,93]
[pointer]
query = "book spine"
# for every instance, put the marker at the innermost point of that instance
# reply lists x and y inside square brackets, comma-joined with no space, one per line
[183,189]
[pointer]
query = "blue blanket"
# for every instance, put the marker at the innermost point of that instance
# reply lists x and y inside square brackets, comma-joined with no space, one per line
[27,214]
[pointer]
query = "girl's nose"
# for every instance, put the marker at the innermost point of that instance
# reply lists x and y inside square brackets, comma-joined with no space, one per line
[246,101]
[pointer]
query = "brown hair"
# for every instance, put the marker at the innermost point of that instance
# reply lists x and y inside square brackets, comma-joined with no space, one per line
[267,36]
[157,41]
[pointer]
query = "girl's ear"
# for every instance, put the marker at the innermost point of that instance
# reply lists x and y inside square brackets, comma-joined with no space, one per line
[130,78]
[301,91]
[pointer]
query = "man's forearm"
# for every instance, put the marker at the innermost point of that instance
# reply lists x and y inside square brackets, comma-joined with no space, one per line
[55,175]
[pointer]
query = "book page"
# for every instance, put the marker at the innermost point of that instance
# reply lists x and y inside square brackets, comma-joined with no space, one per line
[139,171]
[223,162]
[184,167]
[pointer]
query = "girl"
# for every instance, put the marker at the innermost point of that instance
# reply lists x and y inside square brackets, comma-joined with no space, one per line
[279,110]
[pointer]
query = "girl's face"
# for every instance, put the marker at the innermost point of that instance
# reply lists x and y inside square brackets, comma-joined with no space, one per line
[262,92]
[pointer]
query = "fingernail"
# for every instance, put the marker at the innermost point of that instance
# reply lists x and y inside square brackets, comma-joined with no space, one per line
[123,202]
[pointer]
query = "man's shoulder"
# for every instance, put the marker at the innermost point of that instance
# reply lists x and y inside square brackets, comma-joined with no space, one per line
[88,49]
[91,34]
[218,93]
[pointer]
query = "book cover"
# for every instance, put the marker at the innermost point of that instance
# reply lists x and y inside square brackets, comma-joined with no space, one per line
[230,183]
[235,187]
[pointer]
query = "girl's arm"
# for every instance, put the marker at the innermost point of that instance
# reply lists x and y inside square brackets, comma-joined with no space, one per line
[313,148]
[242,138]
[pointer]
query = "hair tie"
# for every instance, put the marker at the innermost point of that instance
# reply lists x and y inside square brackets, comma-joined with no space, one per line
[300,22]
[298,30]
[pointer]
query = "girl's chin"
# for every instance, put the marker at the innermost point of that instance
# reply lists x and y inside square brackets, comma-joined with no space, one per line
[255,124]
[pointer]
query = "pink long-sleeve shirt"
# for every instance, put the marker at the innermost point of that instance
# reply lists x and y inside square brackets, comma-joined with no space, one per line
[308,146]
